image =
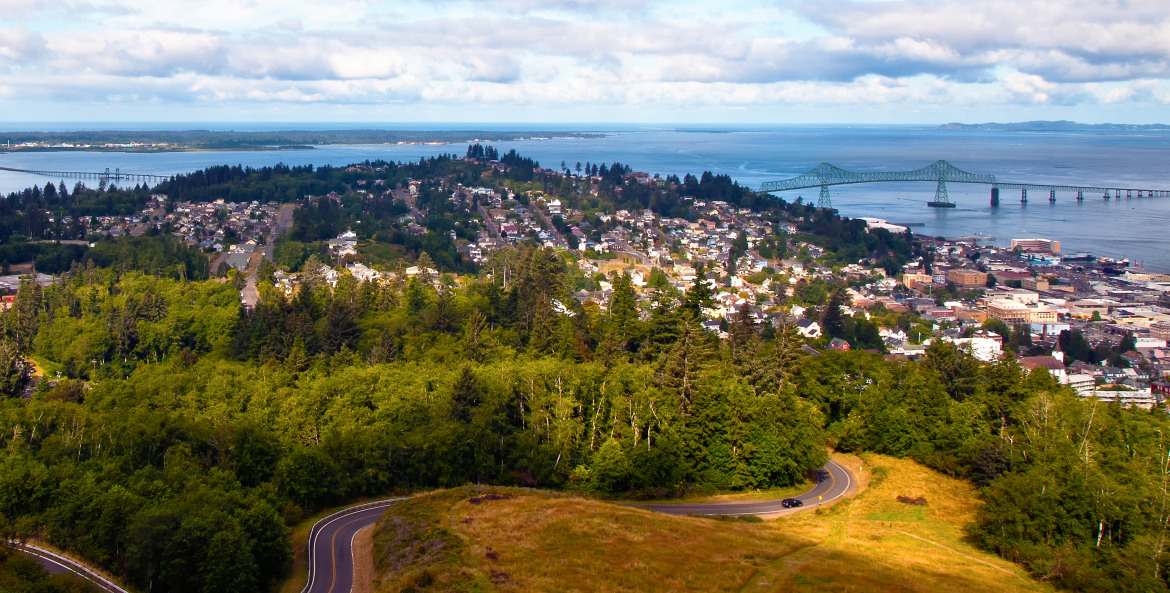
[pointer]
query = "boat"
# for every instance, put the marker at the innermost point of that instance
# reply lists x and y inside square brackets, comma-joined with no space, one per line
[941,204]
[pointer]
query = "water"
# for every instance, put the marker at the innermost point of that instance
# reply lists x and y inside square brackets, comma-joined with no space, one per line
[1133,228]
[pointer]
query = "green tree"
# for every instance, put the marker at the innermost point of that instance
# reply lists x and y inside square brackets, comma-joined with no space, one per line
[13,375]
[699,297]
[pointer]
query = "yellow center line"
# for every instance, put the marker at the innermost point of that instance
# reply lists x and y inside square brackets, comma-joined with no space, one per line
[333,552]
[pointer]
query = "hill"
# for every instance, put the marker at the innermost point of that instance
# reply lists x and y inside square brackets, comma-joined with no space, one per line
[1056,126]
[506,539]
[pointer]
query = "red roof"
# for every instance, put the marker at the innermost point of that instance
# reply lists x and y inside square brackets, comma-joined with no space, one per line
[1047,362]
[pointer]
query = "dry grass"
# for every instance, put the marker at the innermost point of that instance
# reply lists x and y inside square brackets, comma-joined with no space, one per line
[363,561]
[532,541]
[902,547]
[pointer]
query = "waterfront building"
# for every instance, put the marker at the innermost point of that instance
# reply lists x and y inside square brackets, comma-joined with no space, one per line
[1041,245]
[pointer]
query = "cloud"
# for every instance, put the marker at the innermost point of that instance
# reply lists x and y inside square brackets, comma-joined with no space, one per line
[1091,40]
[19,44]
[609,54]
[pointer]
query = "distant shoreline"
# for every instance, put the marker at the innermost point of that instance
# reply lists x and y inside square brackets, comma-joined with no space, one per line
[204,140]
[1055,126]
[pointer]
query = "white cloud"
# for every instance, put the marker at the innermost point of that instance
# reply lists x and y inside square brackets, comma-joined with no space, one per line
[19,43]
[610,54]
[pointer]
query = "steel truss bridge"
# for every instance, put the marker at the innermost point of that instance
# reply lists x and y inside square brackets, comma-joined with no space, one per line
[941,172]
[107,175]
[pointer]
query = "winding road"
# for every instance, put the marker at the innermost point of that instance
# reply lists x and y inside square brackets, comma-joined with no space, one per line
[833,482]
[331,540]
[58,564]
[331,546]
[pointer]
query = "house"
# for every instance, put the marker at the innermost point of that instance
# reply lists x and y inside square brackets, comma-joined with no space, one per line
[808,328]
[1054,366]
[982,348]
[838,344]
[1161,389]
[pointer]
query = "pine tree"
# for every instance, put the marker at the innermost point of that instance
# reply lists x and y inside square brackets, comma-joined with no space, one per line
[699,297]
[425,264]
[743,340]
[13,376]
[682,364]
[623,306]
[833,320]
[777,370]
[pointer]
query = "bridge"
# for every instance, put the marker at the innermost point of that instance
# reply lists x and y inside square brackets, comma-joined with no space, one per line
[941,172]
[107,175]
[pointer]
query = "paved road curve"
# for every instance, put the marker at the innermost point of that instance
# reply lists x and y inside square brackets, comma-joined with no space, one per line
[331,546]
[331,540]
[58,564]
[833,482]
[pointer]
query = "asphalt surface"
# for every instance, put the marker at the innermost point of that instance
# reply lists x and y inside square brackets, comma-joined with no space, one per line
[833,482]
[331,547]
[57,564]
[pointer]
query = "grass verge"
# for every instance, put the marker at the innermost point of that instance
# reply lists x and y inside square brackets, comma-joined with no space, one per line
[509,539]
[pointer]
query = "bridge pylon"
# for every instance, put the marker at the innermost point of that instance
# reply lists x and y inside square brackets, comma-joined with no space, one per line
[940,193]
[824,201]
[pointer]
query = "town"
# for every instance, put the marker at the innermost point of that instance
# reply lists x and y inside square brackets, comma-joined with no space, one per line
[1097,325]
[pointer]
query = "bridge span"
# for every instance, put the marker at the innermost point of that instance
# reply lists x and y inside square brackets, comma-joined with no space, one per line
[107,175]
[941,172]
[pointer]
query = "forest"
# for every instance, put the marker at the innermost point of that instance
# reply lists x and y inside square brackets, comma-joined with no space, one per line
[187,435]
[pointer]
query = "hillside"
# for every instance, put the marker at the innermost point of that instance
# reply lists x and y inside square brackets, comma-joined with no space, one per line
[521,540]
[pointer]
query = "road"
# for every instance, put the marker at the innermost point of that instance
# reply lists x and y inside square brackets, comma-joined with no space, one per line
[331,546]
[833,482]
[546,222]
[57,564]
[250,294]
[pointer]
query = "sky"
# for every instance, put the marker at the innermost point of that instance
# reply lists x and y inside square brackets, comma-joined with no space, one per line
[619,61]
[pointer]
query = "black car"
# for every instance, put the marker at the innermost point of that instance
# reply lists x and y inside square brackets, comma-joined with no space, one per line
[791,503]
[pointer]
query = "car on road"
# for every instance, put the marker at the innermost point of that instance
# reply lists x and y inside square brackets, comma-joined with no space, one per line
[791,503]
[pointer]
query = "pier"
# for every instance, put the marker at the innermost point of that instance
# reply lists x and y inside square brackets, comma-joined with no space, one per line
[116,175]
[940,173]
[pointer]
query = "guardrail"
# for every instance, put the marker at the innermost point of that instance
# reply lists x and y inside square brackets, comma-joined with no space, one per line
[71,565]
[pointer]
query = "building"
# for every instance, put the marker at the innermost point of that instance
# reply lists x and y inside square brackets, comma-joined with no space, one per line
[1160,330]
[1142,398]
[838,344]
[1041,245]
[1083,384]
[912,279]
[1009,312]
[972,315]
[984,349]
[1050,363]
[1012,312]
[1034,283]
[967,278]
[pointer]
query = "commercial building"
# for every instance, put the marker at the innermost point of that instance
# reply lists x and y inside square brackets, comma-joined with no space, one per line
[912,279]
[1041,245]
[967,278]
[1034,283]
[1160,330]
[1011,312]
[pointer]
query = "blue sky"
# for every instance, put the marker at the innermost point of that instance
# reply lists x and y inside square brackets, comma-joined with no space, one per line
[625,61]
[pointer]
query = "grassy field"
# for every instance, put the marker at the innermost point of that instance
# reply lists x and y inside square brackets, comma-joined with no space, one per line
[501,539]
